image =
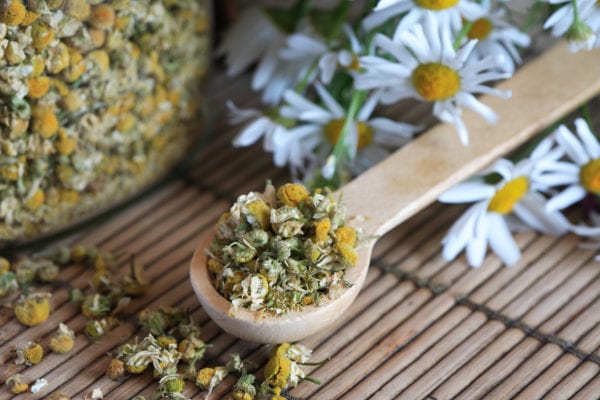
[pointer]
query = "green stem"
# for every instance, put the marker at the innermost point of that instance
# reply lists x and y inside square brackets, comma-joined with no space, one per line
[305,79]
[461,35]
[339,150]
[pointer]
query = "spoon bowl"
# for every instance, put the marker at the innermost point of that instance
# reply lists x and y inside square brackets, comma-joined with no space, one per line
[412,178]
[290,327]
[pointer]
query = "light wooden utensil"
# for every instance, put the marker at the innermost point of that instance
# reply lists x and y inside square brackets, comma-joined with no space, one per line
[395,189]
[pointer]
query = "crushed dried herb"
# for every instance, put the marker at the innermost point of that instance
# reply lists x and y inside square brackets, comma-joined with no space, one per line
[281,250]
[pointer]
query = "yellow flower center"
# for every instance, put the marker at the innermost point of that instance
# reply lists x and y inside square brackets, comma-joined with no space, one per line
[480,29]
[435,81]
[589,176]
[508,195]
[436,4]
[333,129]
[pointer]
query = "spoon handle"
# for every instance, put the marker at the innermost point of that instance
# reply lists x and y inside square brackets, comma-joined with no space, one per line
[413,177]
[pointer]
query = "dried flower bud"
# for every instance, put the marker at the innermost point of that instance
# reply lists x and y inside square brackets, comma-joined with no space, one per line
[115,369]
[95,306]
[63,340]
[8,283]
[192,349]
[244,388]
[16,384]
[31,354]
[166,342]
[34,309]
[171,384]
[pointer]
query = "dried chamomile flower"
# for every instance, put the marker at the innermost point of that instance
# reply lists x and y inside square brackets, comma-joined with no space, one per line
[208,378]
[33,309]
[171,386]
[192,350]
[63,339]
[42,270]
[96,328]
[8,283]
[96,305]
[31,354]
[115,369]
[283,369]
[244,388]
[138,356]
[158,322]
[281,250]
[16,384]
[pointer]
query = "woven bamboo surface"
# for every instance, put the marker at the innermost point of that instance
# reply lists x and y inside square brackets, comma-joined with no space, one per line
[421,328]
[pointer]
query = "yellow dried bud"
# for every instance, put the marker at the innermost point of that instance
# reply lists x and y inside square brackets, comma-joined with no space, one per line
[76,66]
[12,12]
[115,369]
[38,87]
[278,368]
[30,355]
[292,194]
[78,9]
[30,18]
[136,369]
[166,342]
[126,123]
[72,101]
[10,172]
[322,227]
[65,145]
[98,37]
[38,64]
[68,196]
[45,124]
[204,377]
[63,340]
[100,59]
[102,17]
[261,212]
[33,310]
[346,235]
[41,36]
[16,385]
[36,200]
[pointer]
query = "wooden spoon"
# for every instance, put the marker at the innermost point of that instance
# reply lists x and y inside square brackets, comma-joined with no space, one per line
[395,189]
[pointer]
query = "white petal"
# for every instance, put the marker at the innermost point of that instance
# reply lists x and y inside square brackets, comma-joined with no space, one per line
[467,192]
[567,197]
[501,240]
[572,146]
[589,141]
[477,247]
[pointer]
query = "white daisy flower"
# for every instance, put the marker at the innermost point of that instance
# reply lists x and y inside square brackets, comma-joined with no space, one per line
[496,36]
[266,41]
[449,13]
[292,146]
[429,69]
[580,175]
[581,33]
[498,210]
[327,122]
[272,75]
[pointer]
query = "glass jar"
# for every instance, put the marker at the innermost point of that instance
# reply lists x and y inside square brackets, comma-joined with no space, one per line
[96,103]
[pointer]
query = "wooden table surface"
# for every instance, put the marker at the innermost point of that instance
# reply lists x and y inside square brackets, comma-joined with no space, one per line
[421,328]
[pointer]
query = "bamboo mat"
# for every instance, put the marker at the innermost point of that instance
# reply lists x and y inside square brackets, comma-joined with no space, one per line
[421,328]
